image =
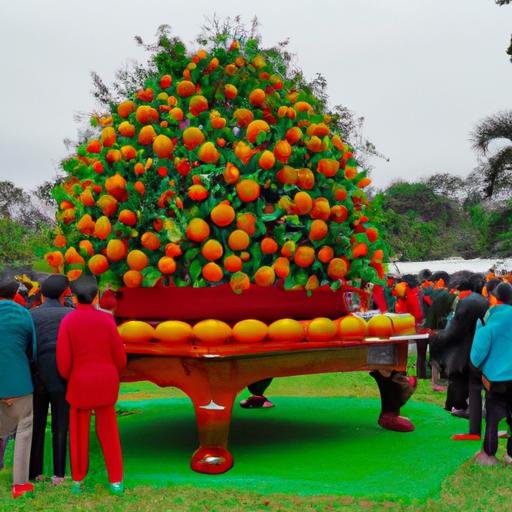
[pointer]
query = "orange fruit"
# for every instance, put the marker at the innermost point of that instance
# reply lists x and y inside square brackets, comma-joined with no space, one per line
[359,250]
[197,193]
[212,250]
[85,225]
[192,137]
[364,182]
[211,332]
[222,215]
[293,135]
[305,179]
[176,114]
[128,152]
[116,186]
[238,240]
[197,230]
[150,241]
[328,167]
[59,241]
[340,193]
[231,174]
[239,282]
[321,209]
[127,217]
[102,228]
[267,160]
[257,97]
[126,129]
[380,326]
[303,106]
[249,331]
[86,246]
[136,331]
[318,230]
[230,91]
[132,278]
[337,268]
[339,213]
[325,254]
[173,331]
[288,249]
[243,116]
[248,190]
[125,108]
[281,267]
[265,276]
[54,258]
[232,263]
[321,329]
[312,283]
[146,135]
[74,274]
[303,202]
[146,115]
[72,256]
[185,88]
[243,152]
[107,204]
[173,250]
[218,123]
[247,222]
[212,272]
[377,256]
[286,329]
[268,245]
[254,128]
[208,153]
[137,260]
[116,250]
[163,146]
[282,150]
[304,256]
[287,175]
[167,265]
[351,327]
[197,104]
[108,136]
[98,264]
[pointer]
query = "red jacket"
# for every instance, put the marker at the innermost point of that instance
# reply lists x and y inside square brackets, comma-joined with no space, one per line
[90,356]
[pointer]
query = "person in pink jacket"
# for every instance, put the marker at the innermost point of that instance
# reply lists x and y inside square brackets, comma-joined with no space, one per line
[91,356]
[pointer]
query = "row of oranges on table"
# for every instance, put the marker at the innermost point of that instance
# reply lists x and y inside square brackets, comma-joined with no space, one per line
[321,329]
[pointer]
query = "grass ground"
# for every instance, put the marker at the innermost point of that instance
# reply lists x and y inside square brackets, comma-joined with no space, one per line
[470,488]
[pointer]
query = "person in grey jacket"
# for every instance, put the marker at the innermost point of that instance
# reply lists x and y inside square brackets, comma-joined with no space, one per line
[49,387]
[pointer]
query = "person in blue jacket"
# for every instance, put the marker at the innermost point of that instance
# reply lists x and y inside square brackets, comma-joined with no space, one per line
[16,342]
[491,352]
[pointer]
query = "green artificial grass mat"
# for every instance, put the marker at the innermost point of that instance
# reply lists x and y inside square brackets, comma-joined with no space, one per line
[303,446]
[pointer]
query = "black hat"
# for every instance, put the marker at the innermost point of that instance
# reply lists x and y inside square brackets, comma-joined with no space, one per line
[8,287]
[54,285]
[85,288]
[503,292]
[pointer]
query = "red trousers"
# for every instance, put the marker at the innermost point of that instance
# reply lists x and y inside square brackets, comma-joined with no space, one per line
[108,436]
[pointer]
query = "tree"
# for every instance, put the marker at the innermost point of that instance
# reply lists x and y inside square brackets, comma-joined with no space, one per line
[509,49]
[497,168]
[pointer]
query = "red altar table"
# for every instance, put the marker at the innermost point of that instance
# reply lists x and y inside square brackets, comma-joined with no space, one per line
[213,376]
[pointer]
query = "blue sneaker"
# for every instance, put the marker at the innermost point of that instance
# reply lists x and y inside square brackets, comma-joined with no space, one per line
[77,487]
[117,488]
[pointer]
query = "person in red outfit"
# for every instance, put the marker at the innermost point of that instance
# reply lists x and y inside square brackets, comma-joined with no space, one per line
[91,356]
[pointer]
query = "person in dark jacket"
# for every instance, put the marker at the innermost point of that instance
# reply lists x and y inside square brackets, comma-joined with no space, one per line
[451,348]
[492,354]
[17,346]
[49,386]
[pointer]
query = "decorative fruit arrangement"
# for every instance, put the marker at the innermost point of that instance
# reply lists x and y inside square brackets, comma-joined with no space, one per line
[222,168]
[215,332]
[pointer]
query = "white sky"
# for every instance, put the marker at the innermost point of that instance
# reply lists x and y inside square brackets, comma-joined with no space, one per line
[421,72]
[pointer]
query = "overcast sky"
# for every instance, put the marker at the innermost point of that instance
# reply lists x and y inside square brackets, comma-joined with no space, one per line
[421,72]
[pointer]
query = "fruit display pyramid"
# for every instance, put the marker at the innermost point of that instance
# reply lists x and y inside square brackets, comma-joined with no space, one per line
[221,169]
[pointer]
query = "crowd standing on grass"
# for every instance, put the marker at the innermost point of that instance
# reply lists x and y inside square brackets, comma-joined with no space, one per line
[49,361]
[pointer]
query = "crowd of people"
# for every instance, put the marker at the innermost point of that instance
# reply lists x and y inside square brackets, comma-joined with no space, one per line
[50,361]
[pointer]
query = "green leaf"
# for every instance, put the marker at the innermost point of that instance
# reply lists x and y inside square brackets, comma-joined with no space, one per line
[194,269]
[150,276]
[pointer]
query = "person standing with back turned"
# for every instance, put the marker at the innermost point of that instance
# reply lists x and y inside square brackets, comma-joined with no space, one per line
[18,339]
[91,356]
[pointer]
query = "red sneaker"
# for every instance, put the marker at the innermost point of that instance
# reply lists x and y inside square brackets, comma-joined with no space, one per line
[466,437]
[20,490]
[392,421]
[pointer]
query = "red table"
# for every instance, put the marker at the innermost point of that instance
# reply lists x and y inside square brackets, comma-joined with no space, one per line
[213,376]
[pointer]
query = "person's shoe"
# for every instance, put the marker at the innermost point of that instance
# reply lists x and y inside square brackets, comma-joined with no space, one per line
[117,488]
[22,490]
[439,388]
[507,459]
[466,437]
[460,413]
[57,480]
[484,459]
[256,402]
[77,487]
[391,421]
